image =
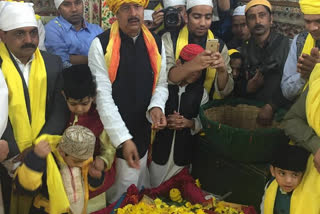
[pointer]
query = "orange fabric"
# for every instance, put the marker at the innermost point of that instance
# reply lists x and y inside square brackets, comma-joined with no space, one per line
[112,55]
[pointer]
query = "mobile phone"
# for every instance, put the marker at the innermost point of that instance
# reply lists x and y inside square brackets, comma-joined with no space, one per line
[212,45]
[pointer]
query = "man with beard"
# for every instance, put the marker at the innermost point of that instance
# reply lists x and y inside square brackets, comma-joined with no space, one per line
[131,80]
[215,70]
[304,52]
[36,105]
[240,29]
[264,56]
[69,35]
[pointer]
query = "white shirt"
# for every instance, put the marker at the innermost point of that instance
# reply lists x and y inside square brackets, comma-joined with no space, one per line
[3,104]
[108,111]
[25,68]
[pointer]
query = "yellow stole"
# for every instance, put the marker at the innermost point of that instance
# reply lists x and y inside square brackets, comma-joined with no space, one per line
[304,199]
[308,45]
[112,55]
[183,40]
[24,132]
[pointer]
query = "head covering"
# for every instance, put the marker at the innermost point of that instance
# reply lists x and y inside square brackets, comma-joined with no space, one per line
[239,11]
[78,141]
[192,3]
[15,15]
[172,3]
[114,5]
[57,3]
[310,7]
[258,2]
[148,15]
[291,158]
[190,51]
[78,82]
[232,51]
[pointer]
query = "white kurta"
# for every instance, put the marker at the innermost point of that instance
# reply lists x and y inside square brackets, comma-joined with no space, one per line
[162,173]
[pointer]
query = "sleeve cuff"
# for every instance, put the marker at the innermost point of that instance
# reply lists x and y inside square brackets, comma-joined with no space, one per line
[34,162]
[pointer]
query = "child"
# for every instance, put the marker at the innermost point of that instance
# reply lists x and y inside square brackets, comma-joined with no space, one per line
[79,91]
[236,65]
[72,156]
[287,168]
[172,147]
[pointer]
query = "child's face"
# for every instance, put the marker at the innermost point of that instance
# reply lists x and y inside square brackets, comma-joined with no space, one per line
[235,65]
[194,76]
[287,180]
[79,107]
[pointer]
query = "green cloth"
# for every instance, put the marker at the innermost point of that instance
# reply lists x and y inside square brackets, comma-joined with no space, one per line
[282,203]
[296,126]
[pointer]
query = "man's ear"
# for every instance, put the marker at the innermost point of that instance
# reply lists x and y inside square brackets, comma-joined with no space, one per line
[2,35]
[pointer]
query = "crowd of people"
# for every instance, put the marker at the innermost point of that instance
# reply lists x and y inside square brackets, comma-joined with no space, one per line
[85,113]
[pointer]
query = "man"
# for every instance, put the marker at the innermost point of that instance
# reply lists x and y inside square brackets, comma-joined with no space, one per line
[264,57]
[131,81]
[216,72]
[240,29]
[301,122]
[36,105]
[69,35]
[158,16]
[304,52]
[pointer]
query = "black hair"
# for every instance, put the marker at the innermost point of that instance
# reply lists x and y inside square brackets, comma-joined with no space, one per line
[78,82]
[236,55]
[291,158]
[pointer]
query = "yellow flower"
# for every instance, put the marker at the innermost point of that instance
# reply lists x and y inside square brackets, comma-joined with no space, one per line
[198,183]
[175,195]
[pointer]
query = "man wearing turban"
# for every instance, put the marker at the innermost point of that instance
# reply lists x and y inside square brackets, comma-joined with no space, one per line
[304,52]
[69,35]
[264,56]
[131,80]
[36,105]
[215,70]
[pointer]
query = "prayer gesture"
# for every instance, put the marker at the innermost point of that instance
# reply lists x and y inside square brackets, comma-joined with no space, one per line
[178,122]
[158,118]
[4,150]
[307,62]
[42,149]
[255,83]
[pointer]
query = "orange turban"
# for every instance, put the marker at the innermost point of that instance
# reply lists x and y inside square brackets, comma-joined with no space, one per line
[258,2]
[114,5]
[310,7]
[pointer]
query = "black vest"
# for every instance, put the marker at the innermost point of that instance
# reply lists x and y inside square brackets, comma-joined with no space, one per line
[132,88]
[189,107]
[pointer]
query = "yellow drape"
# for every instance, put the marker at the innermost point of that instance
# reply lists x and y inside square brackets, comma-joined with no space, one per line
[24,132]
[182,41]
[305,198]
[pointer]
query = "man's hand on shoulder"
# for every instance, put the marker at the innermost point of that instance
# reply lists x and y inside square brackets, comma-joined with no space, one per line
[4,150]
[158,118]
[130,154]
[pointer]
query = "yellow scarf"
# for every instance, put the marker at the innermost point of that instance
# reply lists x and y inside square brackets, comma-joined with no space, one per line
[182,41]
[24,132]
[304,199]
[58,200]
[112,55]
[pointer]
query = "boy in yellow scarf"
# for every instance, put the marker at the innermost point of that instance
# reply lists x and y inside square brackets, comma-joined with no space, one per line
[287,170]
[73,155]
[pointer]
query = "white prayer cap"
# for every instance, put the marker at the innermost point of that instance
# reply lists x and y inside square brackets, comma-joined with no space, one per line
[192,3]
[239,11]
[148,15]
[172,3]
[15,15]
[57,3]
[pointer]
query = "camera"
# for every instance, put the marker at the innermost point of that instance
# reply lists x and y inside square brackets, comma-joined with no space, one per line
[171,18]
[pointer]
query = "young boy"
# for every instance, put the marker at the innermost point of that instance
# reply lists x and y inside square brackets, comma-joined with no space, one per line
[236,65]
[172,147]
[73,156]
[287,168]
[79,91]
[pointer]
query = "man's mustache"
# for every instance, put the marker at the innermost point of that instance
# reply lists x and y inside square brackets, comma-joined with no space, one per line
[258,26]
[134,19]
[28,45]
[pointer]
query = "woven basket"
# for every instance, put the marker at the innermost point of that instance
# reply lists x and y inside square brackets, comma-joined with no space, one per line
[231,128]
